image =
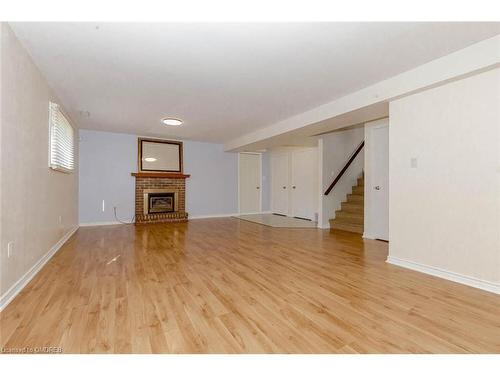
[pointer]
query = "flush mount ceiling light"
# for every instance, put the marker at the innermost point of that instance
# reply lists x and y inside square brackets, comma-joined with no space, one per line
[150,159]
[171,121]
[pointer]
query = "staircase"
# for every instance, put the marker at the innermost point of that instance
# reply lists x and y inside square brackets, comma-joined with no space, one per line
[351,215]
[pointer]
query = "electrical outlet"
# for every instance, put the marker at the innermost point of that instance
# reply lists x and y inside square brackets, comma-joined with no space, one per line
[60,219]
[10,248]
[103,205]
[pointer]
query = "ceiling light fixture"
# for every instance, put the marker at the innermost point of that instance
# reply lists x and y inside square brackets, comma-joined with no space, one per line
[150,159]
[171,121]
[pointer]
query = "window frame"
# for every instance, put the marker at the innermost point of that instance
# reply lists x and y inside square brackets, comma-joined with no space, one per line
[53,165]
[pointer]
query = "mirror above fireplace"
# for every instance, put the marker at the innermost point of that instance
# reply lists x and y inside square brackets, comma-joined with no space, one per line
[159,156]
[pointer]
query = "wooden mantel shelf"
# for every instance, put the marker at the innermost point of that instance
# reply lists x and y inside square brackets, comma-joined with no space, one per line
[160,175]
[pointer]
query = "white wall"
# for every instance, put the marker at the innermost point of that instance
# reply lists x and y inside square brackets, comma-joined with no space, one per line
[336,148]
[107,159]
[475,58]
[370,212]
[33,197]
[445,213]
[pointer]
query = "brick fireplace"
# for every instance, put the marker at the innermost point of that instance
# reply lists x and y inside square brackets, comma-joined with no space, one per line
[160,197]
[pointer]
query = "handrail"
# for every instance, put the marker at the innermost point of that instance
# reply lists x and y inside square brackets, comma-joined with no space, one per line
[351,159]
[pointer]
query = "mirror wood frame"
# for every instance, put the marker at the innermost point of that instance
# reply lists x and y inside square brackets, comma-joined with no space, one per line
[140,142]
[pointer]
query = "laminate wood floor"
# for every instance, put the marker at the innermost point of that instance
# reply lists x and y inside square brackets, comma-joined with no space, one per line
[232,286]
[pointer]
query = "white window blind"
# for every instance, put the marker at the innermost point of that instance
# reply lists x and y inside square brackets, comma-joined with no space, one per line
[62,141]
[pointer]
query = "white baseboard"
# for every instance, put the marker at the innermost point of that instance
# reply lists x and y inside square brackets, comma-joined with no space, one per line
[448,275]
[191,217]
[368,236]
[14,290]
[252,213]
[194,217]
[99,223]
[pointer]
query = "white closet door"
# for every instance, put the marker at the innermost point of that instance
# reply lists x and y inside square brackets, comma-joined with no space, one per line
[304,182]
[279,183]
[249,183]
[380,152]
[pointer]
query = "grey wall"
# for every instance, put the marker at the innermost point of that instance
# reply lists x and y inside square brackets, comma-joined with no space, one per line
[213,186]
[107,159]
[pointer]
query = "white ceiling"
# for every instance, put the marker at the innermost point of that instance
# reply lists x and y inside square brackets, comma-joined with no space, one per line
[224,80]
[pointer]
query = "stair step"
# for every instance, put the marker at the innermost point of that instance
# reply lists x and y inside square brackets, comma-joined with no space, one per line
[358,190]
[350,217]
[355,198]
[352,207]
[339,225]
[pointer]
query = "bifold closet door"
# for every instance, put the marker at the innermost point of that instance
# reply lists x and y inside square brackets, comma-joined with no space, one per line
[303,183]
[279,183]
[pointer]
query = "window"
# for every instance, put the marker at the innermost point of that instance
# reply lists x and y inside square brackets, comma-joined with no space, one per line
[62,141]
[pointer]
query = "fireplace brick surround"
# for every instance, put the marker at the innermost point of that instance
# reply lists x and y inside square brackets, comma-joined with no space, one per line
[175,182]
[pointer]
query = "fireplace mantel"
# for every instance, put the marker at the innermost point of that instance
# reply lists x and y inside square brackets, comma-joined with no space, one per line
[160,175]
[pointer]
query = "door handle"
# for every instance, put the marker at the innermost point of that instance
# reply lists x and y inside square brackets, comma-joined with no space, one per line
[293,187]
[258,187]
[377,187]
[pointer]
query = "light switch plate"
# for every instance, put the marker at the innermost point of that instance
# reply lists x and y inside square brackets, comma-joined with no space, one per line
[414,162]
[10,248]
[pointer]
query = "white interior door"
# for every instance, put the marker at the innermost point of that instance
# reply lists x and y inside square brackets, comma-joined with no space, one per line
[279,183]
[250,176]
[380,182]
[304,183]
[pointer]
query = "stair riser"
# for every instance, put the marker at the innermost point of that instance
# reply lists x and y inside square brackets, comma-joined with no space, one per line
[358,190]
[352,207]
[346,227]
[349,218]
[355,198]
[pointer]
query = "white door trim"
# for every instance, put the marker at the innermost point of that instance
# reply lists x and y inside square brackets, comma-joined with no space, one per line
[260,182]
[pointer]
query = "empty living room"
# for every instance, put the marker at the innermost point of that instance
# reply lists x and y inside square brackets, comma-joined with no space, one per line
[201,185]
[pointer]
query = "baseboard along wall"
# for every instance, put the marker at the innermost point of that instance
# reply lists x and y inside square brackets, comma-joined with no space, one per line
[15,289]
[448,275]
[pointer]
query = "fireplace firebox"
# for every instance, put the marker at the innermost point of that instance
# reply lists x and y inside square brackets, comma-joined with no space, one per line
[158,201]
